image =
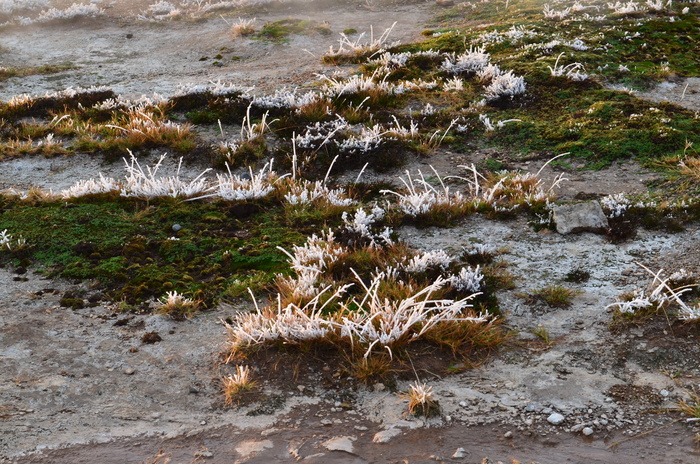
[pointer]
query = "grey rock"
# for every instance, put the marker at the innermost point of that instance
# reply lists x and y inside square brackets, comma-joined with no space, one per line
[177,227]
[587,431]
[581,217]
[460,453]
[386,435]
[555,418]
[340,444]
[508,434]
[129,371]
[578,427]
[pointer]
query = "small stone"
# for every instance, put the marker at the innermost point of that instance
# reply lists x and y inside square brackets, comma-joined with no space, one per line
[129,371]
[627,272]
[581,217]
[379,387]
[193,391]
[301,388]
[203,454]
[664,393]
[508,434]
[587,431]
[460,453]
[577,428]
[203,422]
[177,227]
[385,435]
[339,444]
[326,422]
[463,404]
[555,418]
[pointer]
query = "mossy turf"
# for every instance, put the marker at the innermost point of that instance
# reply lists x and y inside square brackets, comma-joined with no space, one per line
[132,252]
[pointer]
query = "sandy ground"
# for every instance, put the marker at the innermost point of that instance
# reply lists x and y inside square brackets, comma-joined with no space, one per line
[82,386]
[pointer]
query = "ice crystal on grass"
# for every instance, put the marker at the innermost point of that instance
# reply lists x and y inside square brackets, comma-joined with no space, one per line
[306,192]
[361,224]
[505,85]
[91,187]
[234,187]
[471,61]
[353,48]
[419,264]
[391,323]
[554,15]
[417,200]
[615,205]
[145,184]
[6,241]
[73,11]
[660,295]
[572,71]
[468,280]
[285,98]
[625,8]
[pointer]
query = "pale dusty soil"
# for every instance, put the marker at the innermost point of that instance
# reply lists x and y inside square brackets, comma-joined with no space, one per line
[77,387]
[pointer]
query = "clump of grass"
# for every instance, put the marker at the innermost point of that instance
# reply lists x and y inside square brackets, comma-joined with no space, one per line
[577,275]
[542,333]
[421,401]
[243,27]
[236,384]
[660,296]
[691,408]
[177,306]
[554,296]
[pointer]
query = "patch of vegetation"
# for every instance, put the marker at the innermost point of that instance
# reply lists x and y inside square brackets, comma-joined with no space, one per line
[279,31]
[554,296]
[7,73]
[131,250]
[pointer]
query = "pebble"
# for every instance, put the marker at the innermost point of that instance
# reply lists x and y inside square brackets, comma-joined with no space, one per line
[459,453]
[385,435]
[664,393]
[555,418]
[577,428]
[379,387]
[508,434]
[587,431]
[177,227]
[129,371]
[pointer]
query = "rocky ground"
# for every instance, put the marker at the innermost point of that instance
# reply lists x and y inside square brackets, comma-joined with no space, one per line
[97,385]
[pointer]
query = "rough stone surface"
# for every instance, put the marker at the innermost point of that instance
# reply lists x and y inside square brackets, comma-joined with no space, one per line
[581,217]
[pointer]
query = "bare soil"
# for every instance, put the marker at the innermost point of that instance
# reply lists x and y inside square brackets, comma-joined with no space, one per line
[83,386]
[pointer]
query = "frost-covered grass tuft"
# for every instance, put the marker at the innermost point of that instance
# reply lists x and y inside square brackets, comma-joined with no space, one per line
[421,401]
[471,61]
[660,295]
[146,184]
[505,85]
[234,384]
[421,198]
[177,306]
